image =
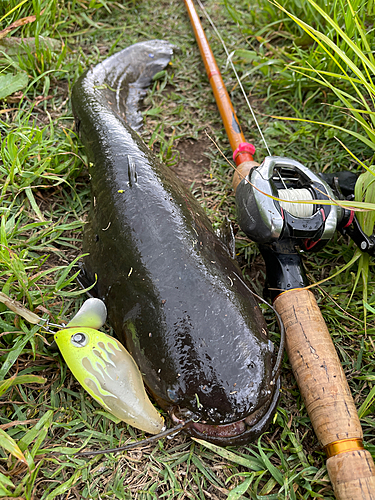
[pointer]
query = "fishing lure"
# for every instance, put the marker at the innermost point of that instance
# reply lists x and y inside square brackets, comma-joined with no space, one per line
[105,368]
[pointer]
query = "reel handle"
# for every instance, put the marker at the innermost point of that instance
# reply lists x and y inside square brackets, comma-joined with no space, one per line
[326,394]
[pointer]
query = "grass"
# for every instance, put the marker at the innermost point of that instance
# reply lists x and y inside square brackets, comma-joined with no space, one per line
[338,63]
[44,199]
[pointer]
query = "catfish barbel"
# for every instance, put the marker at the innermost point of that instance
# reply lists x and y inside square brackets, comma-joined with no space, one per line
[174,293]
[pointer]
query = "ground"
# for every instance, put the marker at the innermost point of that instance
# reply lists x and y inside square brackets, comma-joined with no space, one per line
[192,165]
[41,236]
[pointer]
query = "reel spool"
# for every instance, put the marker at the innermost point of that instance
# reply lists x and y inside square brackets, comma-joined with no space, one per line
[267,220]
[291,196]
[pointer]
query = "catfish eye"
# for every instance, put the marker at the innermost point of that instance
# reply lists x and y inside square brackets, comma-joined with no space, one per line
[79,339]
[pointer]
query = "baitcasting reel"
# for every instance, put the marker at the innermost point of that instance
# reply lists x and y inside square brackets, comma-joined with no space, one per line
[280,226]
[266,220]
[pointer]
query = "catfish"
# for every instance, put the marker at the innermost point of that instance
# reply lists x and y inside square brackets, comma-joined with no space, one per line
[174,292]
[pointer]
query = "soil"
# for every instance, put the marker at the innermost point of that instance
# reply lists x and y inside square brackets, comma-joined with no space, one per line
[193,163]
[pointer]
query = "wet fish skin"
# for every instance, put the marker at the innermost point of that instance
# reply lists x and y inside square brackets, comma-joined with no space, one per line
[174,294]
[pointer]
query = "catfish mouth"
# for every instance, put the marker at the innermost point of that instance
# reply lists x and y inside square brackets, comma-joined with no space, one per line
[236,433]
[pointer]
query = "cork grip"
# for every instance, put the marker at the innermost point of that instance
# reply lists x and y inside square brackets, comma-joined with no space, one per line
[326,394]
[242,171]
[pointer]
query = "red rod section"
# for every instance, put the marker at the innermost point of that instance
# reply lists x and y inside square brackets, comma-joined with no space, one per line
[241,149]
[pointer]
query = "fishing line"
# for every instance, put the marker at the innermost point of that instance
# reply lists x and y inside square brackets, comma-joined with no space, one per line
[294,201]
[290,197]
[235,72]
[130,446]
[300,203]
[282,180]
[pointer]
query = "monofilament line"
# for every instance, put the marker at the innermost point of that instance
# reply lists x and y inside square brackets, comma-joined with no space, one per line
[235,72]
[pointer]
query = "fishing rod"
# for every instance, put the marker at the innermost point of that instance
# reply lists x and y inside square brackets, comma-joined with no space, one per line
[279,227]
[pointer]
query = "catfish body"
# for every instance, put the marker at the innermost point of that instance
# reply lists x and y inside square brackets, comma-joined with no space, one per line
[173,292]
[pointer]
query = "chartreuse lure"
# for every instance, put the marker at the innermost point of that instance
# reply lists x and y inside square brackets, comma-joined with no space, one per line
[105,369]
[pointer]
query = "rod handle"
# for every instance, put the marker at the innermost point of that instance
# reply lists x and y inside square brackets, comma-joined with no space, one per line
[352,475]
[326,394]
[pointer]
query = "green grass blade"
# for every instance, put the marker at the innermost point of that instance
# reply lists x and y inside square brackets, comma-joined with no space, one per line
[274,471]
[345,37]
[368,402]
[20,379]
[13,10]
[11,446]
[358,136]
[249,463]
[241,489]
[16,351]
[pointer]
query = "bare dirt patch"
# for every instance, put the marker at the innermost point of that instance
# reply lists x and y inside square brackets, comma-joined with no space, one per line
[193,163]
